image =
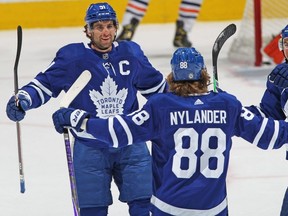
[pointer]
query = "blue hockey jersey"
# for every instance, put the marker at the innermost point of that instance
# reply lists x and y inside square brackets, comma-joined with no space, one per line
[116,78]
[270,105]
[191,141]
[273,101]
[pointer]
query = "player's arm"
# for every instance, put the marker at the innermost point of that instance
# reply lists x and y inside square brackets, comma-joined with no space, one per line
[270,105]
[148,80]
[116,131]
[265,133]
[33,95]
[46,84]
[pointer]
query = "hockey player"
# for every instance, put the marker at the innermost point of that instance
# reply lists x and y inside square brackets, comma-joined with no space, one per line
[274,101]
[191,130]
[118,71]
[277,81]
[187,14]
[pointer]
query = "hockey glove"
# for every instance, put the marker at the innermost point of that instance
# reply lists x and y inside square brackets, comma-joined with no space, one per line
[18,105]
[279,75]
[69,118]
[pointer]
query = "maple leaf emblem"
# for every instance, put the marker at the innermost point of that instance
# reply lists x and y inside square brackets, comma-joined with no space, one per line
[108,102]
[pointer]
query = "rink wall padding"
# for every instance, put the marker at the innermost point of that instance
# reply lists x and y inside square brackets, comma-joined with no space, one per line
[67,13]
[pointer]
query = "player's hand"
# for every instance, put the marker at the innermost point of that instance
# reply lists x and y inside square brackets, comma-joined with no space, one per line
[68,118]
[279,75]
[18,105]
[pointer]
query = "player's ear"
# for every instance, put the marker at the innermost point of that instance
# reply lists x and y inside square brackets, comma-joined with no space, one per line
[89,31]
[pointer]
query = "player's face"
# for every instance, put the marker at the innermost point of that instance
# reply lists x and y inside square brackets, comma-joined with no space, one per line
[102,35]
[285,47]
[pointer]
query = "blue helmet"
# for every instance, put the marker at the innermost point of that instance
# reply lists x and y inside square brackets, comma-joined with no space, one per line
[187,64]
[100,12]
[284,34]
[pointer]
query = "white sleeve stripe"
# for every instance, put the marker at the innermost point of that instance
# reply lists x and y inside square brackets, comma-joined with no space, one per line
[261,131]
[112,132]
[154,89]
[43,88]
[51,64]
[275,135]
[39,92]
[126,128]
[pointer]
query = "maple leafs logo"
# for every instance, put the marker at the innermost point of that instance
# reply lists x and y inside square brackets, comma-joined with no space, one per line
[108,102]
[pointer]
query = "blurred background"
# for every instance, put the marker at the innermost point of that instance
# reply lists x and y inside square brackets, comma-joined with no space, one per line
[43,13]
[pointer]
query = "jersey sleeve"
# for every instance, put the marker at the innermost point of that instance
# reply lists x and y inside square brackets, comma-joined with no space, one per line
[122,130]
[57,76]
[265,133]
[149,80]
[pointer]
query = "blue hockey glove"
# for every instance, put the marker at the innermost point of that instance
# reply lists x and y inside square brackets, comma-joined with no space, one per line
[18,105]
[68,118]
[279,75]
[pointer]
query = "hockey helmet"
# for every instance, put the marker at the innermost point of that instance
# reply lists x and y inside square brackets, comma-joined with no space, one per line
[284,34]
[100,12]
[187,64]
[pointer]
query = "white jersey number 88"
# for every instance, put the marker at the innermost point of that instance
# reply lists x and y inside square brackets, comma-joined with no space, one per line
[190,152]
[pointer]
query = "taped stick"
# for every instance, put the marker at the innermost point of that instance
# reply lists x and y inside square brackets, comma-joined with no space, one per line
[70,95]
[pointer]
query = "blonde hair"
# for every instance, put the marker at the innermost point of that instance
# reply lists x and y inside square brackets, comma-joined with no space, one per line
[185,88]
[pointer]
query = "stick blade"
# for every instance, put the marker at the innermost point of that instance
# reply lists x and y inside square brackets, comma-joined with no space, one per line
[76,88]
[218,44]
[221,39]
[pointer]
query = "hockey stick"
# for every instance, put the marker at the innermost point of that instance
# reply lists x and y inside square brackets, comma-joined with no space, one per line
[70,95]
[19,46]
[219,42]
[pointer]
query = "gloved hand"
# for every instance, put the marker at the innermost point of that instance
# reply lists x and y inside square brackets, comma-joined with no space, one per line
[279,75]
[68,117]
[18,105]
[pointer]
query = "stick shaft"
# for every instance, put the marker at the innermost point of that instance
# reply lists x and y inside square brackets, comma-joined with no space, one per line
[71,173]
[70,95]
[18,128]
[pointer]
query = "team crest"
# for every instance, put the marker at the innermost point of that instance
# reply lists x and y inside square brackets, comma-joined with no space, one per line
[108,102]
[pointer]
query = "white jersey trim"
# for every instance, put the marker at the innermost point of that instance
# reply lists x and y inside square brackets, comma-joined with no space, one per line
[126,129]
[275,135]
[260,133]
[112,132]
[169,209]
[154,89]
[40,89]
